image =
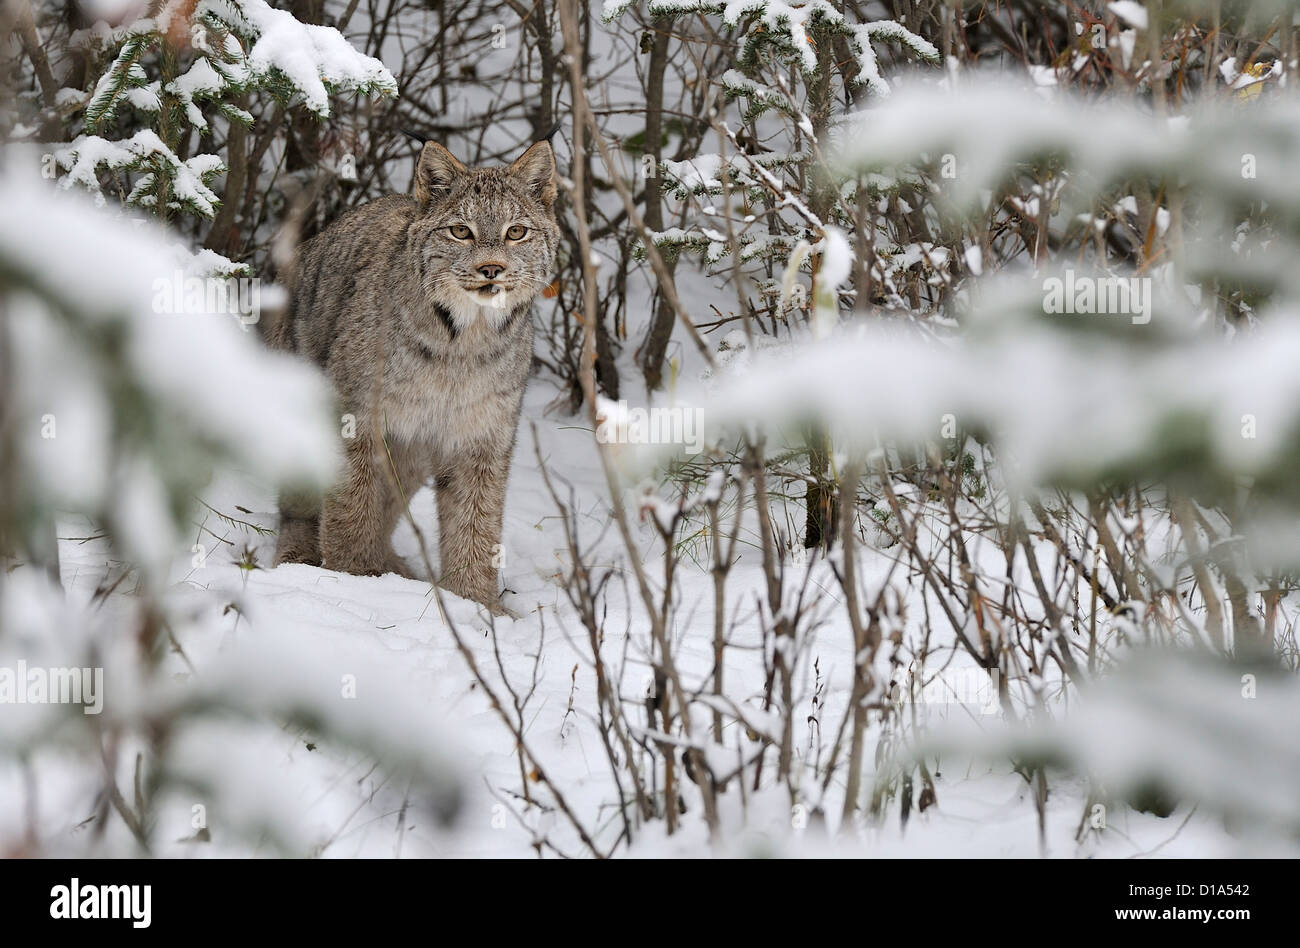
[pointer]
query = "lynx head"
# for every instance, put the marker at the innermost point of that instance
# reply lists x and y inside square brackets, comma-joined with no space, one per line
[487,236]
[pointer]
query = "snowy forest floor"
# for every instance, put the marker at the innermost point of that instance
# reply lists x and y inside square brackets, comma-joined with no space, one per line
[395,625]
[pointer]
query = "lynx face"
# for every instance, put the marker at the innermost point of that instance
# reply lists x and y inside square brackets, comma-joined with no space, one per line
[487,235]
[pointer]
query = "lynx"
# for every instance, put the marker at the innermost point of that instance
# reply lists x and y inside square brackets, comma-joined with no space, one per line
[418,310]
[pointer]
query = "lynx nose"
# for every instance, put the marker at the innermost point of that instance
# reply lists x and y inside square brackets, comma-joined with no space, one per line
[492,270]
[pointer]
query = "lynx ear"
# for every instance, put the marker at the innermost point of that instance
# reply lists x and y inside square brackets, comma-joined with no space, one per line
[435,171]
[536,168]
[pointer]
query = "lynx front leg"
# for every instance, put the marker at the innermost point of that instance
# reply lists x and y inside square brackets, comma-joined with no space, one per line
[471,499]
[359,515]
[299,540]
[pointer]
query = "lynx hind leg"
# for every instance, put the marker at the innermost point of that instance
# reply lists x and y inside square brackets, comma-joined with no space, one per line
[359,515]
[299,540]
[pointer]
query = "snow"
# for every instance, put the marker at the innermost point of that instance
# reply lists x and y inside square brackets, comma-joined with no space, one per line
[57,240]
[84,156]
[613,9]
[1131,12]
[700,173]
[314,59]
[1174,722]
[737,83]
[795,21]
[836,265]
[145,98]
[199,80]
[868,67]
[1202,143]
[1089,415]
[327,800]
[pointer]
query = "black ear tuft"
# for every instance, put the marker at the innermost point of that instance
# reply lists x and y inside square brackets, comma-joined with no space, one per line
[536,168]
[435,171]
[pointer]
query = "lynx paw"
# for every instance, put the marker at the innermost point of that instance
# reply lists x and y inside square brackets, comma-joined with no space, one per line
[294,553]
[501,612]
[491,600]
[397,565]
[392,564]
[299,542]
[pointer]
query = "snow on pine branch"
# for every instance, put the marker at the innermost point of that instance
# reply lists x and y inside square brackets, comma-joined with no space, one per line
[314,61]
[1232,155]
[291,59]
[762,97]
[148,401]
[703,174]
[142,152]
[200,81]
[860,38]
[238,46]
[790,27]
[1172,723]
[1064,399]
[993,126]
[125,75]
[714,246]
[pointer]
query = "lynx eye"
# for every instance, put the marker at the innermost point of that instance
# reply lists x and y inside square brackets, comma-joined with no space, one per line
[460,232]
[516,232]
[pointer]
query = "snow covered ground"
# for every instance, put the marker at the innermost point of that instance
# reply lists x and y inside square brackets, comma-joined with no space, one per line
[389,634]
